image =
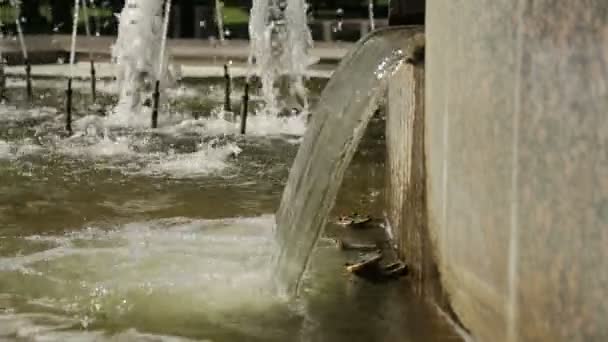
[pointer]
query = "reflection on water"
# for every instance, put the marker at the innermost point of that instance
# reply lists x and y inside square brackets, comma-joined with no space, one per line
[124,234]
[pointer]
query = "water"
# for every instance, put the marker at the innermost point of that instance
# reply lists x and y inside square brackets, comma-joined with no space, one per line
[74,33]
[17,5]
[126,234]
[372,21]
[280,40]
[338,123]
[137,54]
[87,25]
[163,42]
[219,19]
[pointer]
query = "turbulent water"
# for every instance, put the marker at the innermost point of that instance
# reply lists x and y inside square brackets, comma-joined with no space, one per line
[136,53]
[338,122]
[280,42]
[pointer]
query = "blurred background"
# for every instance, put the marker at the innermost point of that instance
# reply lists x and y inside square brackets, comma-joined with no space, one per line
[195,18]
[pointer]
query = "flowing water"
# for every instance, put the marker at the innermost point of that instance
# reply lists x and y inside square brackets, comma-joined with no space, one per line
[219,20]
[138,53]
[338,123]
[17,5]
[280,40]
[121,233]
[74,36]
[370,9]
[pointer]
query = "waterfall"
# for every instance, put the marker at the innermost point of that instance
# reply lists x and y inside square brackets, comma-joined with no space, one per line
[338,123]
[280,42]
[137,54]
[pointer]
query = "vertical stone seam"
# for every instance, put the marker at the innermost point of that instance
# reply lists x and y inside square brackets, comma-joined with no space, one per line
[513,275]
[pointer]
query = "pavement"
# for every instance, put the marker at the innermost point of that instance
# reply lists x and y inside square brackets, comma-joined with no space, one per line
[45,49]
[105,70]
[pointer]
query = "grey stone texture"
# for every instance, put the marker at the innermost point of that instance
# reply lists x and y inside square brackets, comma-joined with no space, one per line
[517,165]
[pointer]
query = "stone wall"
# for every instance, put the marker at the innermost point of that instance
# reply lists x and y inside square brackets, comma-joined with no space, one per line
[510,197]
[517,165]
[406,195]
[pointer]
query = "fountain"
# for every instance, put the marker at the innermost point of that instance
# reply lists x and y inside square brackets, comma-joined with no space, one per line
[161,64]
[26,61]
[219,20]
[119,232]
[280,40]
[139,57]
[68,111]
[372,21]
[85,12]
[2,67]
[338,123]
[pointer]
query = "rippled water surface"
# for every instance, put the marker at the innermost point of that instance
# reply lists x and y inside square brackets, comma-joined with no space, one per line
[121,233]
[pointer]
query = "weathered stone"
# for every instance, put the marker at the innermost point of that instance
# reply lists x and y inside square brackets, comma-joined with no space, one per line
[517,165]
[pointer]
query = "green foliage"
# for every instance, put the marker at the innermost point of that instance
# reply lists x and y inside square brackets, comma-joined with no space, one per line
[235,15]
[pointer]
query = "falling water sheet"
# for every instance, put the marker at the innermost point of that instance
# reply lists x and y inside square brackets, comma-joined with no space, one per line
[338,123]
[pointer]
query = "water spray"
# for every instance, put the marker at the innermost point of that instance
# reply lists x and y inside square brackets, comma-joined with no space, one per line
[372,21]
[219,20]
[228,89]
[26,60]
[156,96]
[2,66]
[340,19]
[68,92]
[85,13]
[2,79]
[245,108]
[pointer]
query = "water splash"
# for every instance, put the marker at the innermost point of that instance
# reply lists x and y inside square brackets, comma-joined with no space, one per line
[74,33]
[219,20]
[137,54]
[338,123]
[17,5]
[372,21]
[165,269]
[280,41]
[87,26]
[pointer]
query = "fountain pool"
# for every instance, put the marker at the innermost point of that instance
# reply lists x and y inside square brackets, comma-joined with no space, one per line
[121,233]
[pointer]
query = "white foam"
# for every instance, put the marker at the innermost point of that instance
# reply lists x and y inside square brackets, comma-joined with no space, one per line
[205,160]
[92,147]
[54,328]
[12,113]
[210,269]
[13,151]
[5,150]
[264,124]
[261,124]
